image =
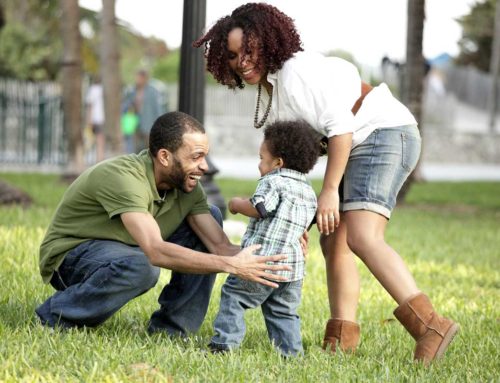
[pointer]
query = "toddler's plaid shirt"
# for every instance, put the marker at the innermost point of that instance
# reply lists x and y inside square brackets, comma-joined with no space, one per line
[290,204]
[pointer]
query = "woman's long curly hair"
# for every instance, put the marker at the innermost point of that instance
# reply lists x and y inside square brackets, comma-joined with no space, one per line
[265,28]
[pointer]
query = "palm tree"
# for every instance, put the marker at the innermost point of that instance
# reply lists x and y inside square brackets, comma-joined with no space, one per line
[72,84]
[2,17]
[110,69]
[414,72]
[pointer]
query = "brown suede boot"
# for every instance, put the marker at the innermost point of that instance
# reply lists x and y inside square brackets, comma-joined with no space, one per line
[341,332]
[432,332]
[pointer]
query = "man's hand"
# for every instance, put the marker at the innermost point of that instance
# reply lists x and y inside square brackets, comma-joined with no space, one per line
[254,268]
[144,229]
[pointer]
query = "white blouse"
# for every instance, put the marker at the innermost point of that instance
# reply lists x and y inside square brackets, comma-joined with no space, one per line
[322,91]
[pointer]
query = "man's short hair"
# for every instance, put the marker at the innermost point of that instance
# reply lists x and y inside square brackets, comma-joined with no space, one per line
[168,129]
[295,142]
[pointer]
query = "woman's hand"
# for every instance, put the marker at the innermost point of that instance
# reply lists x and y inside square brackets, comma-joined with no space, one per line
[327,216]
[304,241]
[256,268]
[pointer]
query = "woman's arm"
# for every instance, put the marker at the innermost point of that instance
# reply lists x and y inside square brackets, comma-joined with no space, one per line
[339,148]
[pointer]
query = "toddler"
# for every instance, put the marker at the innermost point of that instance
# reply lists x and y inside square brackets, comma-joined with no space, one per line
[280,211]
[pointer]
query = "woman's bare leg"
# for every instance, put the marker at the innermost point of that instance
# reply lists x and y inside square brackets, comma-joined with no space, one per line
[341,273]
[365,236]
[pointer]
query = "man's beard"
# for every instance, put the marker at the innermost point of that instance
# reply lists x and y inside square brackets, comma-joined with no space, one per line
[177,176]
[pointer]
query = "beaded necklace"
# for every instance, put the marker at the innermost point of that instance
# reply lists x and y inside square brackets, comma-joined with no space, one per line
[256,123]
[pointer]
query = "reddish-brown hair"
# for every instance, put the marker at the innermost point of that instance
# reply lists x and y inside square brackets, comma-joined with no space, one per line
[275,33]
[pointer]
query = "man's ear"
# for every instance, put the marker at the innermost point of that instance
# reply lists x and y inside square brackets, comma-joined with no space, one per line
[164,157]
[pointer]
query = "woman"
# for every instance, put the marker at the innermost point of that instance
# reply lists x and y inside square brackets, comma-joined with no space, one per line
[370,138]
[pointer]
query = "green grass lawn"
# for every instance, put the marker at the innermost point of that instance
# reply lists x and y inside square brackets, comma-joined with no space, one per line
[449,234]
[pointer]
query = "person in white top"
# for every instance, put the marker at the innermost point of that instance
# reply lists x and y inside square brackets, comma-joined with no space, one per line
[95,116]
[372,142]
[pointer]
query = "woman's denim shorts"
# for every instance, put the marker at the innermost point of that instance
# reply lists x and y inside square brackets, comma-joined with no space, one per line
[378,167]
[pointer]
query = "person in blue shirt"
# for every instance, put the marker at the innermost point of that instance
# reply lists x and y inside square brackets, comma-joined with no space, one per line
[146,101]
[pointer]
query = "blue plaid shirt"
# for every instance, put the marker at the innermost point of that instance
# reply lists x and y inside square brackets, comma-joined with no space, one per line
[290,205]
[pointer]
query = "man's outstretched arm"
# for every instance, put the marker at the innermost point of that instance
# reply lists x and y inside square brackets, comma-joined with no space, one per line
[145,231]
[211,234]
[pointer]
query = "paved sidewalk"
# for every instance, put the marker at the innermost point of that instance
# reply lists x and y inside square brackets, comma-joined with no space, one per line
[246,168]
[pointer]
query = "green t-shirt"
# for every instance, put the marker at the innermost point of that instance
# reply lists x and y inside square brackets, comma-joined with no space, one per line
[91,207]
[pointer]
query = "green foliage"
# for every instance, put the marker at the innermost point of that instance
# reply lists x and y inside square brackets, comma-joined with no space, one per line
[477,35]
[137,52]
[89,27]
[31,44]
[166,69]
[448,235]
[484,195]
[32,52]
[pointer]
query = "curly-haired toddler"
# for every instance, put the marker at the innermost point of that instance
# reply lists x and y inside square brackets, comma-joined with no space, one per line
[281,209]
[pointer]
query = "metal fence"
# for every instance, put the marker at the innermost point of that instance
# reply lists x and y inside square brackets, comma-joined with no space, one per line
[31,123]
[470,85]
[31,120]
[32,132]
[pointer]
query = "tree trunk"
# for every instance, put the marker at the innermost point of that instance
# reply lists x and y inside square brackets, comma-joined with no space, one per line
[495,69]
[111,78]
[72,84]
[2,16]
[414,73]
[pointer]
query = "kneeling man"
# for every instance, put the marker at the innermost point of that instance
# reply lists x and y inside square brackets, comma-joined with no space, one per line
[127,217]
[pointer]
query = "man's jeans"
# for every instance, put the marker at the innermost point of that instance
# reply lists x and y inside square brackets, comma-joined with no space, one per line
[279,307]
[98,277]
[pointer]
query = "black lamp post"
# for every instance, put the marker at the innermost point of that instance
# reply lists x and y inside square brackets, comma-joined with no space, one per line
[192,84]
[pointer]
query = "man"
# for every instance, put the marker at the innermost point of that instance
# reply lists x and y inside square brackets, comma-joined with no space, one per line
[144,99]
[106,241]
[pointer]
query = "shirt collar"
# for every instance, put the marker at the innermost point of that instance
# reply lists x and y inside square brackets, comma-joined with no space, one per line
[147,159]
[284,172]
[272,78]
